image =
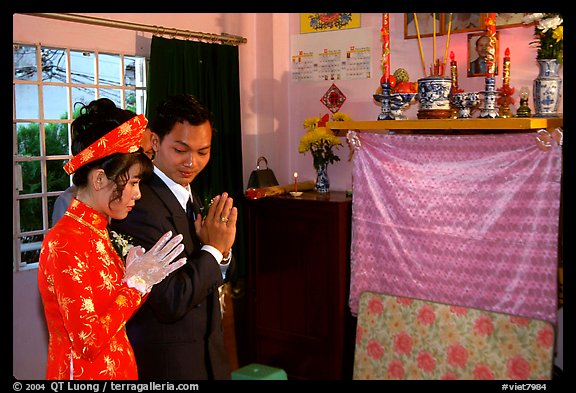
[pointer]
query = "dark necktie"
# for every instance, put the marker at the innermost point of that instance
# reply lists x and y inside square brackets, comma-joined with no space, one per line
[190,210]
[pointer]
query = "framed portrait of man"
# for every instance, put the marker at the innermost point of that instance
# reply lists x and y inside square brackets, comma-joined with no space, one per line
[462,22]
[478,50]
[425,24]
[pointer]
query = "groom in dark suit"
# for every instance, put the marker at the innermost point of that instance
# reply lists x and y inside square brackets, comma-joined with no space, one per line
[177,333]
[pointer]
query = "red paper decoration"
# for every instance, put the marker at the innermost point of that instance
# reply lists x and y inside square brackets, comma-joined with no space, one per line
[333,98]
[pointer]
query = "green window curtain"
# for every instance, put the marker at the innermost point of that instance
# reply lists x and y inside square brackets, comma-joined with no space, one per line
[209,72]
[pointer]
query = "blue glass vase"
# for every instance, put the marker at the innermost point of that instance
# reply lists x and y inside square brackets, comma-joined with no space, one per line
[322,181]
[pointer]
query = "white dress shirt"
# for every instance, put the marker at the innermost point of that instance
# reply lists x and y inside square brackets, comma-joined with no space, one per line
[183,194]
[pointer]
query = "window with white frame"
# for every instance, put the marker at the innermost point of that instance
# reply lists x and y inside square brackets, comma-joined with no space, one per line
[48,82]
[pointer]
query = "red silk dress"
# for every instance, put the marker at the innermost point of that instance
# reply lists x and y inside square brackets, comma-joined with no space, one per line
[85,302]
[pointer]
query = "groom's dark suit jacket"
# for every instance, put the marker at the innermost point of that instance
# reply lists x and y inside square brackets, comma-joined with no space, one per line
[177,333]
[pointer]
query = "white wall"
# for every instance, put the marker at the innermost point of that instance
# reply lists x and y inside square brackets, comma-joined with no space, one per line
[29,337]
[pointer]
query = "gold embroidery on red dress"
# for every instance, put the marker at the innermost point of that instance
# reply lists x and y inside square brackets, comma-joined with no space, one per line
[85,302]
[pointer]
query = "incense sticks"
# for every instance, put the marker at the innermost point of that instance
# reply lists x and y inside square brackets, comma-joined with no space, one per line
[438,67]
[420,43]
[434,35]
[447,40]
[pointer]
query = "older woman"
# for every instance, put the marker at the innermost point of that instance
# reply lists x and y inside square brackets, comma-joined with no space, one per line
[87,290]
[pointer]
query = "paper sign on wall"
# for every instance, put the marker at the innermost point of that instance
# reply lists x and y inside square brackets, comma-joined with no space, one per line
[331,56]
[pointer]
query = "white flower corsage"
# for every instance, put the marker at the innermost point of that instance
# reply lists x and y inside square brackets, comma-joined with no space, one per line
[122,243]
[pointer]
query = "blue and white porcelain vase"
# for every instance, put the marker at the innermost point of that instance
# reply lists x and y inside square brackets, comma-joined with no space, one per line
[322,181]
[384,100]
[547,88]
[434,97]
[489,110]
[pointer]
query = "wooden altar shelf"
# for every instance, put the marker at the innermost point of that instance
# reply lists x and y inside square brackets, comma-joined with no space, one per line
[474,125]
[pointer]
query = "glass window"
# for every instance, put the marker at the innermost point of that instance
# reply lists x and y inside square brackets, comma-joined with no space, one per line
[82,67]
[25,57]
[54,65]
[48,85]
[110,69]
[56,102]
[26,101]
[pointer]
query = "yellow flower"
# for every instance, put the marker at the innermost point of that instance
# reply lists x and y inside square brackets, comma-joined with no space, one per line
[311,123]
[549,35]
[339,116]
[319,140]
[558,34]
[315,138]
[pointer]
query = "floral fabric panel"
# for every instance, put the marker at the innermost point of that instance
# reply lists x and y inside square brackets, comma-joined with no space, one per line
[470,220]
[403,338]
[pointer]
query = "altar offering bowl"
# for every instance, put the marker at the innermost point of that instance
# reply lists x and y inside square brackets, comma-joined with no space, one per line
[465,102]
[400,102]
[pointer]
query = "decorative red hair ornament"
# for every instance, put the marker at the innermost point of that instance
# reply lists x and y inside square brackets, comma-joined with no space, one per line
[123,139]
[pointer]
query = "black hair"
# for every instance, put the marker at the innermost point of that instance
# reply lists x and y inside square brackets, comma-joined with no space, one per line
[97,119]
[179,108]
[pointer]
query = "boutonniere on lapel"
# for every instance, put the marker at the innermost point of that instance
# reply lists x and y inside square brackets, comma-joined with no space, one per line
[122,243]
[206,206]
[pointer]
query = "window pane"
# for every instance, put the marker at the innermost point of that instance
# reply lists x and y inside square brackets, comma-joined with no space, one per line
[130,100]
[26,101]
[30,214]
[129,71]
[141,71]
[28,139]
[25,62]
[134,71]
[57,139]
[58,179]
[82,95]
[53,65]
[109,67]
[55,102]
[31,177]
[112,94]
[30,247]
[82,67]
[140,101]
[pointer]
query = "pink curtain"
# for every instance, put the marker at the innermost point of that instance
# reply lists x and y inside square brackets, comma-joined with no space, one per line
[464,220]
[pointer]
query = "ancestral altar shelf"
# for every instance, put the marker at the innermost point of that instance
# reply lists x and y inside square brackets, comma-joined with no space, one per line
[473,125]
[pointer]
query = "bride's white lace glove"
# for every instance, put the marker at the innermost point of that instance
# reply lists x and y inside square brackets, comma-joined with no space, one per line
[145,269]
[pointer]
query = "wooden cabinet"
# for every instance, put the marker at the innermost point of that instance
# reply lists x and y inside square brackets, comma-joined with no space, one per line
[298,283]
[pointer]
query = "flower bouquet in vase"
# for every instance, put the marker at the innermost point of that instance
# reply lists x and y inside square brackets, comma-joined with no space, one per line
[320,141]
[549,33]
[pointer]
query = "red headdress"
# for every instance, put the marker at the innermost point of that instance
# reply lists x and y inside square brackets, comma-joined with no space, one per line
[123,139]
